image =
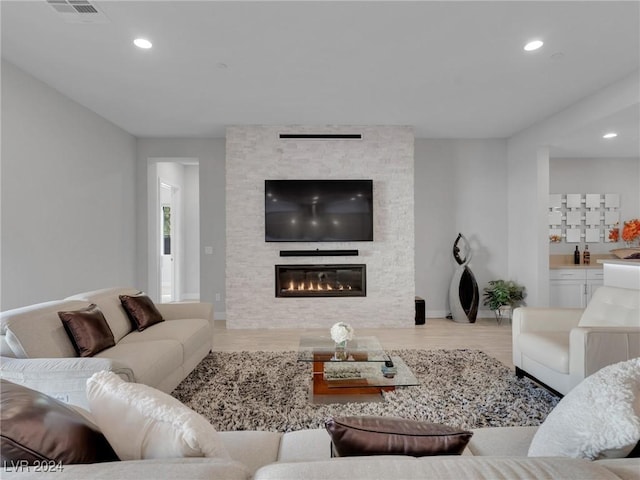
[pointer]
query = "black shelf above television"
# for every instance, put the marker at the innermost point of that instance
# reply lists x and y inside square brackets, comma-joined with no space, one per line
[319,253]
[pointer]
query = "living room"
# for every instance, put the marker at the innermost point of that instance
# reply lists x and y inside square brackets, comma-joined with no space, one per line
[86,119]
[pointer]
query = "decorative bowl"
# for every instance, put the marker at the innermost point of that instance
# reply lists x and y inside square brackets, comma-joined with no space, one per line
[626,252]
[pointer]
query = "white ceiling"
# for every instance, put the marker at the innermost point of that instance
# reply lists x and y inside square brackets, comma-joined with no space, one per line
[450,69]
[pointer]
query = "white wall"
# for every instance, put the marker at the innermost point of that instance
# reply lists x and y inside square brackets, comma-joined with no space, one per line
[191,237]
[211,167]
[597,175]
[528,179]
[385,155]
[68,195]
[460,187]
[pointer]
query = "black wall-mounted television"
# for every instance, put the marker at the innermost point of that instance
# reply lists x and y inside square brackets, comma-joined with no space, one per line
[318,210]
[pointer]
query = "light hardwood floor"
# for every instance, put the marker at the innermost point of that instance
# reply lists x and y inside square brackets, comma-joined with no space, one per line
[437,333]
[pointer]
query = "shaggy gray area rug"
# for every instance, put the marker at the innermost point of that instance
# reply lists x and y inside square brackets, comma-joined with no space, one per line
[269,391]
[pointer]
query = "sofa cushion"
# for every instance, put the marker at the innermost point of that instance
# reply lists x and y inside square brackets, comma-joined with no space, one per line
[36,428]
[305,445]
[193,468]
[141,310]
[501,441]
[109,302]
[191,333]
[254,449]
[36,331]
[599,418]
[88,330]
[141,422]
[550,349]
[150,361]
[440,468]
[612,306]
[352,436]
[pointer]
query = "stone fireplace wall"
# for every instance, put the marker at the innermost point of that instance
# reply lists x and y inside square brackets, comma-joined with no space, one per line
[384,155]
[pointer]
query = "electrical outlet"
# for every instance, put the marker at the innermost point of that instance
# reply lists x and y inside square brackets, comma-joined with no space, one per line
[208,250]
[217,297]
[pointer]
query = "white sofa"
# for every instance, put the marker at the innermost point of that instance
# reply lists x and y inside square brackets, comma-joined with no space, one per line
[492,453]
[559,347]
[37,352]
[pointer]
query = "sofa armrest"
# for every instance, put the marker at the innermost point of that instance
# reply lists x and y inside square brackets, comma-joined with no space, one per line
[592,348]
[62,378]
[539,319]
[177,311]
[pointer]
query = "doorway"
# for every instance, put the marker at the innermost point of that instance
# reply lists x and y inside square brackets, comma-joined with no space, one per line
[173,229]
[168,242]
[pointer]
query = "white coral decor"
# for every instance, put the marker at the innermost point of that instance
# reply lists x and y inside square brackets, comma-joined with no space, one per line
[341,332]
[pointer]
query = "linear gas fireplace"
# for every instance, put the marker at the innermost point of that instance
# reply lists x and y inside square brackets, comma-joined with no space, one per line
[346,280]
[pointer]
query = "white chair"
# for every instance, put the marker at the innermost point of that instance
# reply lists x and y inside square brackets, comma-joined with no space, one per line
[558,347]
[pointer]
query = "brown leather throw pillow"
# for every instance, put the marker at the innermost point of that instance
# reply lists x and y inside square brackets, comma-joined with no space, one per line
[141,310]
[353,436]
[35,428]
[88,330]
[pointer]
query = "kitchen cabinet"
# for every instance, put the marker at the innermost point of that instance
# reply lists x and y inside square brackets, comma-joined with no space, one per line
[573,287]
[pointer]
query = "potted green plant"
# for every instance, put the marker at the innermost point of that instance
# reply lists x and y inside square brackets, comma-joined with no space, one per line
[502,296]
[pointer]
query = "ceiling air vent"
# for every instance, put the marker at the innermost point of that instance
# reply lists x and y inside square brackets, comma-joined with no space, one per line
[78,11]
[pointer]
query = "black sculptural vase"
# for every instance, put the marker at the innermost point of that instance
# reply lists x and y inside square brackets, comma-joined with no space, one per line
[463,292]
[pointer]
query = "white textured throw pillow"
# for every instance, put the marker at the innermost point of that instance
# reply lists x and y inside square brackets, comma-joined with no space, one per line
[141,422]
[599,418]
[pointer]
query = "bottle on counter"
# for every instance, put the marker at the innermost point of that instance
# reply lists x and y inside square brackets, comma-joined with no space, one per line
[586,255]
[576,256]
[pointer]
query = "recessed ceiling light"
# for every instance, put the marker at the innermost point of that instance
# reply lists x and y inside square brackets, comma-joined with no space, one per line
[610,135]
[533,45]
[142,43]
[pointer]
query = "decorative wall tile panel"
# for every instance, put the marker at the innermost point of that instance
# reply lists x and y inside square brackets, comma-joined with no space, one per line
[574,218]
[574,200]
[573,235]
[578,218]
[611,217]
[555,201]
[592,200]
[592,235]
[385,155]
[612,200]
[593,218]
[555,218]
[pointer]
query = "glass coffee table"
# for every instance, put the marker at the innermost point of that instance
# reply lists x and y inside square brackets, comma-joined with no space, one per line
[357,371]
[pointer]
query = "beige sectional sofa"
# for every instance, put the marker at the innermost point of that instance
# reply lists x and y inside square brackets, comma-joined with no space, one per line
[37,352]
[492,453]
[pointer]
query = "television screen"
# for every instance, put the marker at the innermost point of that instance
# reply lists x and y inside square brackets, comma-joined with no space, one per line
[318,210]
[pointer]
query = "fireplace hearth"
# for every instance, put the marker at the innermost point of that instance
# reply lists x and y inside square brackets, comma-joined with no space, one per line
[342,280]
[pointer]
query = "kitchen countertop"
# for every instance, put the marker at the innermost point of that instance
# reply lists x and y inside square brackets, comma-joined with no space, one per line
[620,261]
[557,262]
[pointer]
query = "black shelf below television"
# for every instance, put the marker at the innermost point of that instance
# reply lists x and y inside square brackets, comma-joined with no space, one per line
[318,253]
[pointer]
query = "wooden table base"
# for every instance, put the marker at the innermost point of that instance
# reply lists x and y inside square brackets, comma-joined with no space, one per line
[350,386]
